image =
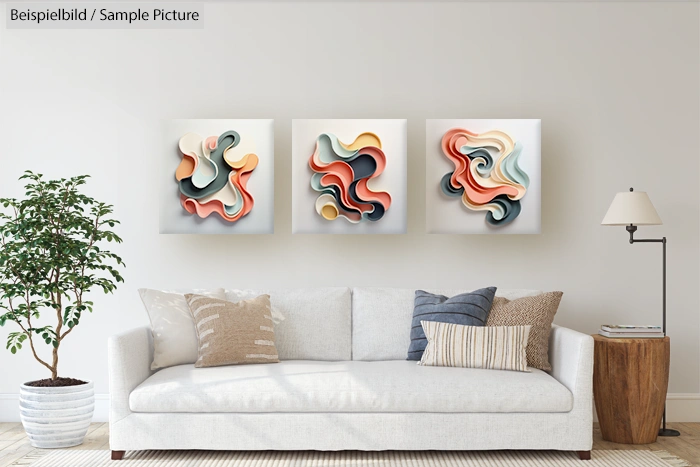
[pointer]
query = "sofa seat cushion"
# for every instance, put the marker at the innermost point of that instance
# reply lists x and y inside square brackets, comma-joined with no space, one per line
[348,386]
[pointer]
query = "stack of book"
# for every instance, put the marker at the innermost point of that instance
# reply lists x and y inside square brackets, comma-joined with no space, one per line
[628,331]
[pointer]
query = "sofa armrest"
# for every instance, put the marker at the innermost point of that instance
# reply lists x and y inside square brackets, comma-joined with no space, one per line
[571,356]
[129,359]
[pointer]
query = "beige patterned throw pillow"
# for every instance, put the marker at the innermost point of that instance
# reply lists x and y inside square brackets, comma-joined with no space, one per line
[233,333]
[538,312]
[491,348]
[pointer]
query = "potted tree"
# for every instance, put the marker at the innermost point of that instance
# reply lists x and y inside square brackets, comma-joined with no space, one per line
[51,256]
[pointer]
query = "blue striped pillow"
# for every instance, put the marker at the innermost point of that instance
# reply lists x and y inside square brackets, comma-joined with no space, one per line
[467,309]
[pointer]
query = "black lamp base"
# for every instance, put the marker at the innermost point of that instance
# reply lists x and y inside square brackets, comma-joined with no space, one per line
[669,432]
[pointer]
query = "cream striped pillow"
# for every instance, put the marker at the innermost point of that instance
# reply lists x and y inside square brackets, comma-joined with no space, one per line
[233,333]
[488,347]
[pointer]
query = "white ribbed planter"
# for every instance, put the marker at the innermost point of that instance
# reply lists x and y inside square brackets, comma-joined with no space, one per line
[56,417]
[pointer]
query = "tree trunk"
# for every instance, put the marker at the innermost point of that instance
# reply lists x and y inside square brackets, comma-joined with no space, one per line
[54,366]
[59,315]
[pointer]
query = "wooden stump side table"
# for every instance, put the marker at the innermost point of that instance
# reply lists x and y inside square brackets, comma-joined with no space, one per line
[630,380]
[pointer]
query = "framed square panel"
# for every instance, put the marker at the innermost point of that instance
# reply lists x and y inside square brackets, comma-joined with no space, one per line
[483,176]
[218,177]
[349,176]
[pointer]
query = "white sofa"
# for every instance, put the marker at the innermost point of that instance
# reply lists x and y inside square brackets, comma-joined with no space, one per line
[344,384]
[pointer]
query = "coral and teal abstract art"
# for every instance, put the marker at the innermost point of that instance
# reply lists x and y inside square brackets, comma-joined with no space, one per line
[349,176]
[483,176]
[220,176]
[212,179]
[487,176]
[341,173]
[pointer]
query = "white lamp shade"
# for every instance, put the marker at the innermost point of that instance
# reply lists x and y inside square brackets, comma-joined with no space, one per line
[631,207]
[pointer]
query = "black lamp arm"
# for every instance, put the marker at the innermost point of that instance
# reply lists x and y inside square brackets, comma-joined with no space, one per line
[633,228]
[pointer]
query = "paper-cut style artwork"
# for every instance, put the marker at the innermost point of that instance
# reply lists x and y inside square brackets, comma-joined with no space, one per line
[483,176]
[213,178]
[485,182]
[341,173]
[349,176]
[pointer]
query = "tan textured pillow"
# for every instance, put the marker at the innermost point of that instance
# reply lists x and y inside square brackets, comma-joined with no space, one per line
[538,312]
[491,348]
[233,333]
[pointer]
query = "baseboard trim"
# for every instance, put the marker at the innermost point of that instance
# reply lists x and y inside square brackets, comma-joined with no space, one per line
[690,396]
[680,407]
[9,408]
[683,407]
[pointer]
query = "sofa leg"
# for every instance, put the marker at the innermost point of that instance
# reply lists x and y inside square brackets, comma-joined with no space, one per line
[584,455]
[117,455]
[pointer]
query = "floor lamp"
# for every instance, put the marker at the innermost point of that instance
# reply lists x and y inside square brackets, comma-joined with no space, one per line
[633,208]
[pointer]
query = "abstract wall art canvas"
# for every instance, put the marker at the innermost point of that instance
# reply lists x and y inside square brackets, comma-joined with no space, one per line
[483,176]
[349,176]
[218,177]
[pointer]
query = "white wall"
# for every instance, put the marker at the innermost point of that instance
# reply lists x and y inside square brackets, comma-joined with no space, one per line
[616,87]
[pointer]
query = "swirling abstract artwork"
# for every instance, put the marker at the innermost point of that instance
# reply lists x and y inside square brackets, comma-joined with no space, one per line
[213,176]
[341,173]
[487,176]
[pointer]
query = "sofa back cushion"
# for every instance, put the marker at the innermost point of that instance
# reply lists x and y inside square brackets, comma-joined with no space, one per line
[381,319]
[310,324]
